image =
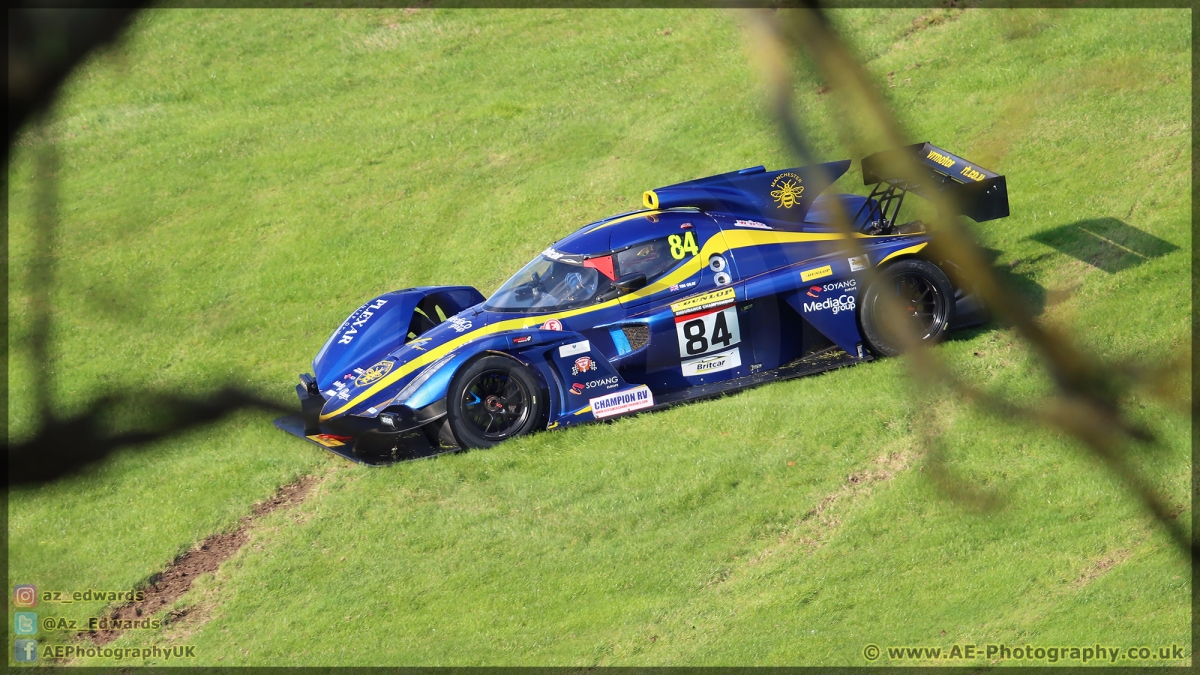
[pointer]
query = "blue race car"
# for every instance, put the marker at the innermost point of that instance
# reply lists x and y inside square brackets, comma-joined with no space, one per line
[721,283]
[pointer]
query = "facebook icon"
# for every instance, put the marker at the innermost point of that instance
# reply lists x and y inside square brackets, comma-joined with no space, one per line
[25,650]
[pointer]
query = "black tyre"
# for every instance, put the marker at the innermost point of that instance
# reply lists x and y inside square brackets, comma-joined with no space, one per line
[926,300]
[492,399]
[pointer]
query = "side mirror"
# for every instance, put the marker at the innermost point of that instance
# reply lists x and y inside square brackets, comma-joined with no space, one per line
[630,282]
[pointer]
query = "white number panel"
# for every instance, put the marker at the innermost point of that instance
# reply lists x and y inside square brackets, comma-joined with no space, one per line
[707,331]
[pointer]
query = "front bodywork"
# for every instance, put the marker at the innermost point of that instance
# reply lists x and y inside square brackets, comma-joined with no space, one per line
[763,293]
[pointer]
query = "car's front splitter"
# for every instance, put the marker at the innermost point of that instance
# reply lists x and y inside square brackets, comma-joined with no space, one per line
[372,447]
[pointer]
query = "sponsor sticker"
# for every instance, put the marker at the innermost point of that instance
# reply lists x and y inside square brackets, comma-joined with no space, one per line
[330,440]
[788,190]
[607,383]
[751,223]
[704,301]
[552,254]
[582,365]
[707,331]
[577,388]
[416,344]
[574,348]
[620,402]
[358,319]
[816,273]
[552,324]
[713,363]
[858,262]
[459,324]
[374,373]
[842,303]
[522,340]
[685,285]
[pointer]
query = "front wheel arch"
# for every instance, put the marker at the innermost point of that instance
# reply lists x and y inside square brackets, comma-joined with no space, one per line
[508,395]
[933,317]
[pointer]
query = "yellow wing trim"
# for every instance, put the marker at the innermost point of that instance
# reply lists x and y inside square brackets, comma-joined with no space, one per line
[904,251]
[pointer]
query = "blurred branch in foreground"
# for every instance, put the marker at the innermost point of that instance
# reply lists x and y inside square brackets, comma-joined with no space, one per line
[61,447]
[1087,402]
[65,446]
[44,46]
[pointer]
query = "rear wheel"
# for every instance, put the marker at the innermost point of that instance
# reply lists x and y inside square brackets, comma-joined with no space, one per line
[924,295]
[493,399]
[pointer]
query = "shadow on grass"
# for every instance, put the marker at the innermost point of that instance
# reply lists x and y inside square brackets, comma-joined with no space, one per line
[1105,243]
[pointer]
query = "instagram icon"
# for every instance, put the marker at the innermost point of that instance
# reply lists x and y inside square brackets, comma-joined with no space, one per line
[25,595]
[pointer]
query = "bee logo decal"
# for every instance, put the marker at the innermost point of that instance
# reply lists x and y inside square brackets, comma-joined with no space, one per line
[788,190]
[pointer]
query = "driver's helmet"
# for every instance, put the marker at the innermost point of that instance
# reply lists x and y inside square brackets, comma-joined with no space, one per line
[643,258]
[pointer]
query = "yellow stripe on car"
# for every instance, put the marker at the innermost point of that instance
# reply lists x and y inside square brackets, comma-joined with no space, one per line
[717,244]
[903,251]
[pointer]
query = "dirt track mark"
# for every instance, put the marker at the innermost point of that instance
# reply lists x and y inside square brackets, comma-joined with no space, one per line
[820,523]
[167,586]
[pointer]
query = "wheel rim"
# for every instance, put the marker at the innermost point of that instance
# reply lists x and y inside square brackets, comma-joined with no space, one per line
[495,404]
[922,304]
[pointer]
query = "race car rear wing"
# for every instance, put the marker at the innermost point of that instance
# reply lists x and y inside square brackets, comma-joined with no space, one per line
[976,192]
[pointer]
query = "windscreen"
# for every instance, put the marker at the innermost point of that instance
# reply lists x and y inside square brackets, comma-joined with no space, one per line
[549,285]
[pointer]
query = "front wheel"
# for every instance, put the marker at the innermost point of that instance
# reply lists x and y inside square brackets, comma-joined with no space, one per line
[923,294]
[493,399]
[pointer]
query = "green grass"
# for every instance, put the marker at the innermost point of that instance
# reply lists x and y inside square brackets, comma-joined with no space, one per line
[234,183]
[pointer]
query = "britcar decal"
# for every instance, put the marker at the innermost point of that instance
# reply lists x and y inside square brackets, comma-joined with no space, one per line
[704,301]
[713,363]
[816,273]
[707,331]
[574,348]
[620,402]
[374,373]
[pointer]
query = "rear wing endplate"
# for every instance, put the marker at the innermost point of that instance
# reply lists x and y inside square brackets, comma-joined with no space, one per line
[976,192]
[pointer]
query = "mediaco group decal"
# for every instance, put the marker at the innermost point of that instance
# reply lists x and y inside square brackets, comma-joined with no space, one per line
[620,402]
[788,190]
[842,303]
